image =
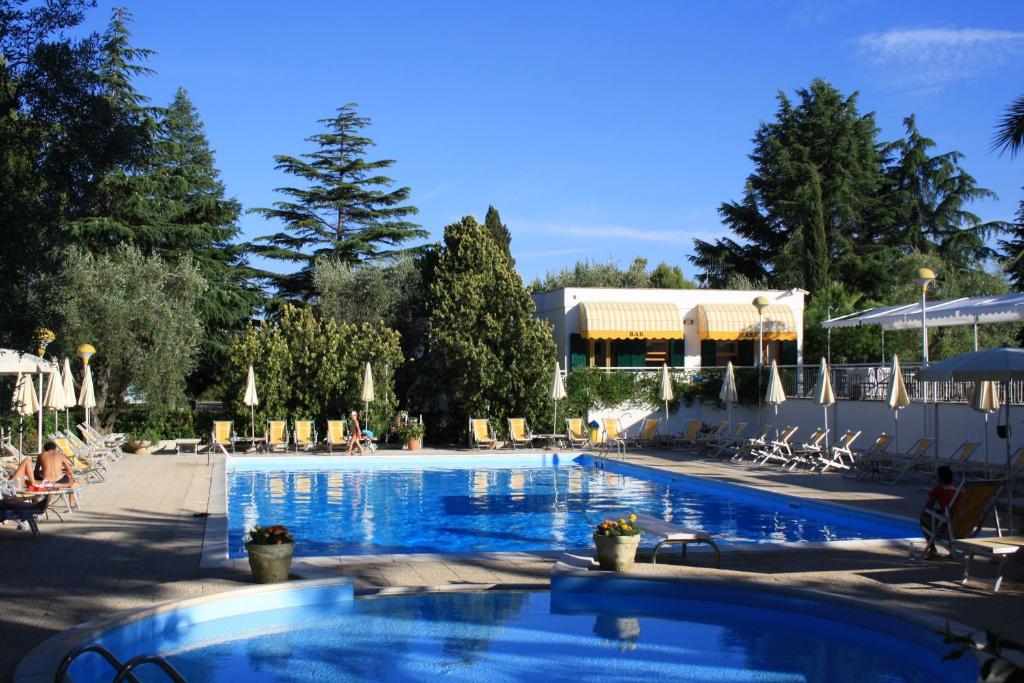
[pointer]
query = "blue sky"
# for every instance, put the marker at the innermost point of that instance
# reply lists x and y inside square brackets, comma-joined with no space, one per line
[600,130]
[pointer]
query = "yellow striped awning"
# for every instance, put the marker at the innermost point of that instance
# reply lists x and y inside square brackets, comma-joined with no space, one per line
[630,320]
[740,321]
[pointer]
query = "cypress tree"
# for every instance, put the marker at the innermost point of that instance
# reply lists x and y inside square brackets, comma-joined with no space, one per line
[499,231]
[346,210]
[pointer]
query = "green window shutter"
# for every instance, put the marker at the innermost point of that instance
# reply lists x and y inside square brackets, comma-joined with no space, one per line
[677,353]
[747,352]
[707,353]
[577,351]
[788,353]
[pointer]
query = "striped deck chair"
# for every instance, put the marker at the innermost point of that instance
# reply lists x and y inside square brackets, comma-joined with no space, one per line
[647,434]
[519,434]
[335,437]
[840,456]
[965,516]
[222,436]
[481,434]
[277,435]
[865,461]
[779,449]
[809,451]
[754,444]
[687,439]
[304,435]
[576,432]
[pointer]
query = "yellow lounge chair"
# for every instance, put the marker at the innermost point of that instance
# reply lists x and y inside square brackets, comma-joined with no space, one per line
[648,432]
[576,432]
[277,435]
[222,436]
[480,433]
[964,516]
[304,435]
[688,437]
[335,437]
[519,434]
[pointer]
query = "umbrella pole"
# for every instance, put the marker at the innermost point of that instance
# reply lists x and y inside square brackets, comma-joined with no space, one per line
[1009,464]
[39,430]
[21,436]
[666,414]
[826,429]
[986,442]
[252,422]
[554,420]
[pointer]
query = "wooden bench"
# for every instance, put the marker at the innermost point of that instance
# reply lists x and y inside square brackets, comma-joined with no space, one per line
[180,444]
[671,534]
[997,547]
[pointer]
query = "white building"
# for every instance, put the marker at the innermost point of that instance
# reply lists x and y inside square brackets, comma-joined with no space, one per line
[681,327]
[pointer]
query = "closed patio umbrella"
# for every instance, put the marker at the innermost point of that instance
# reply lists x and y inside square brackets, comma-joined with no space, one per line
[985,399]
[24,404]
[87,397]
[776,393]
[557,393]
[995,365]
[368,394]
[898,398]
[823,394]
[665,390]
[55,399]
[728,394]
[68,380]
[252,400]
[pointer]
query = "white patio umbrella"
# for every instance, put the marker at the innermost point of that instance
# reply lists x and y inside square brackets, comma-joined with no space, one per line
[68,381]
[24,404]
[87,397]
[368,392]
[776,393]
[252,400]
[665,390]
[55,399]
[728,394]
[898,398]
[995,365]
[823,394]
[557,393]
[985,400]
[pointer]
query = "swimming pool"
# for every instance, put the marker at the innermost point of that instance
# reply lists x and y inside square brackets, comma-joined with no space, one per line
[613,629]
[457,504]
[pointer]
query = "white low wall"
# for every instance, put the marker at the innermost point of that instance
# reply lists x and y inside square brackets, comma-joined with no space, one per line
[956,422]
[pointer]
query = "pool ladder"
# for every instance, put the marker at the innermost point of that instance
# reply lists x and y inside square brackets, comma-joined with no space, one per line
[124,669]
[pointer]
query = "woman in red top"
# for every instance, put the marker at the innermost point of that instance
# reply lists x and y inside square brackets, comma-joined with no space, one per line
[939,498]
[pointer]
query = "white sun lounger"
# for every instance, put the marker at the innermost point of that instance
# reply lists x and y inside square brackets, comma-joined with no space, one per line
[671,534]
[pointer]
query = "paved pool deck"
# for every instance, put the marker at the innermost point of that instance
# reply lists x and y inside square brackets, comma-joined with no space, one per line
[139,540]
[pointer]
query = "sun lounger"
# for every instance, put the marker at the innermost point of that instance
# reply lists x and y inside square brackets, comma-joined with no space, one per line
[926,469]
[998,548]
[647,434]
[995,469]
[755,443]
[481,434]
[519,434]
[277,435]
[222,436]
[777,450]
[706,439]
[730,441]
[864,460]
[23,510]
[670,534]
[82,468]
[688,438]
[809,451]
[840,456]
[576,433]
[614,437]
[335,437]
[897,466]
[304,435]
[964,516]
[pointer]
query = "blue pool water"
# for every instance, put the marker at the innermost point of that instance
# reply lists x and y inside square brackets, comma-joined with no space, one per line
[616,631]
[371,505]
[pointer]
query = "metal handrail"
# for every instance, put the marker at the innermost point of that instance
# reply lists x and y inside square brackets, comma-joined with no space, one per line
[77,652]
[126,671]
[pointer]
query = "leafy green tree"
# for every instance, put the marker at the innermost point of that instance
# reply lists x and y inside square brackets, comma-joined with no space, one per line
[345,210]
[486,355]
[309,367]
[1010,131]
[665,276]
[1013,249]
[140,313]
[377,292]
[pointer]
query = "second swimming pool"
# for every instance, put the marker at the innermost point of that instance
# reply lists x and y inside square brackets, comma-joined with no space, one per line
[460,504]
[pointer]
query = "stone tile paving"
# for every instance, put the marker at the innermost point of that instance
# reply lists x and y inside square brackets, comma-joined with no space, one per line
[137,541]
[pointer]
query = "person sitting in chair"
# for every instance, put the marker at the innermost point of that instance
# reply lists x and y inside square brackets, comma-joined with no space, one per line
[23,476]
[939,498]
[50,465]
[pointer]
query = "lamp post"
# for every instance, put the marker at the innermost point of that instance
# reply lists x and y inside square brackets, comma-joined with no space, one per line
[760,303]
[85,352]
[43,339]
[925,276]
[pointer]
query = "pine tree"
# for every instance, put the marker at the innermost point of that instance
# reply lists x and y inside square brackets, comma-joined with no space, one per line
[1013,249]
[345,211]
[486,354]
[499,231]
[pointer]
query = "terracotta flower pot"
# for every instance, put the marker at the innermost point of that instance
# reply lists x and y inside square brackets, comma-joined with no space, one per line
[270,563]
[413,444]
[616,553]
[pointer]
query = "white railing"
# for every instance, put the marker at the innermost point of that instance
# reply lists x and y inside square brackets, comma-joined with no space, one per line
[860,382]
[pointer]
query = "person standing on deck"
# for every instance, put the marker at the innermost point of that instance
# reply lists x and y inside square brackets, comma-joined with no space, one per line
[355,439]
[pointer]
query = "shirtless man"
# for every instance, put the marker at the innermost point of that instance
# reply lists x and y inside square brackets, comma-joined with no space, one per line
[49,466]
